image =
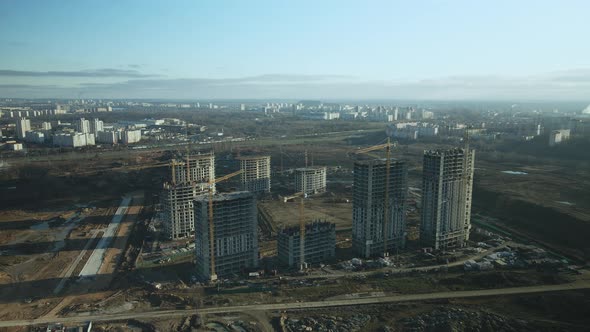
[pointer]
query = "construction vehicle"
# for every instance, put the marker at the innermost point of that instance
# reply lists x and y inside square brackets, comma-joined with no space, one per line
[387,146]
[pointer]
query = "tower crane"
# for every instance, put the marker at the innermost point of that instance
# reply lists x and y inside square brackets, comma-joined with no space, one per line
[387,146]
[211,224]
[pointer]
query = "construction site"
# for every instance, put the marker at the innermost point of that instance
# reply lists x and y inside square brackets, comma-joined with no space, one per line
[127,243]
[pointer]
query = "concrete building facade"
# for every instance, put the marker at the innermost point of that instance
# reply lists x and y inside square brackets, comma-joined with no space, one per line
[447,183]
[74,140]
[131,136]
[35,137]
[107,137]
[177,209]
[235,234]
[46,126]
[22,126]
[320,244]
[83,126]
[178,195]
[255,175]
[96,126]
[558,136]
[201,169]
[310,180]
[368,209]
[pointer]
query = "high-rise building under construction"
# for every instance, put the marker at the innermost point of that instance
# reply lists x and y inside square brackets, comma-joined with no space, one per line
[310,180]
[234,234]
[177,195]
[255,175]
[447,183]
[370,235]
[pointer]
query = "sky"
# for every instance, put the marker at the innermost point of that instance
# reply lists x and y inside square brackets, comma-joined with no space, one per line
[431,50]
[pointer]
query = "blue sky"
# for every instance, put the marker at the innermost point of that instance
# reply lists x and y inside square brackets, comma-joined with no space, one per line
[295,49]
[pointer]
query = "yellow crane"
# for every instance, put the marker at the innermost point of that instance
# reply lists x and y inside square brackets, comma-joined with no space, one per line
[387,146]
[211,225]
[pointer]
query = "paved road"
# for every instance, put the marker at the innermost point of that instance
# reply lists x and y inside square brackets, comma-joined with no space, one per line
[302,305]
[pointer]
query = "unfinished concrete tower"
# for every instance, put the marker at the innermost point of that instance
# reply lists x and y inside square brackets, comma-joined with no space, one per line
[177,209]
[368,209]
[235,234]
[310,180]
[255,174]
[447,183]
[320,243]
[201,169]
[178,194]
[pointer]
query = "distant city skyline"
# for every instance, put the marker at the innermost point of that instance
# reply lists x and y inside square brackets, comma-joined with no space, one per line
[427,50]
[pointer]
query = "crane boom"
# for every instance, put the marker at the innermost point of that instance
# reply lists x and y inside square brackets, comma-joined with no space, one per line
[225,177]
[211,225]
[375,147]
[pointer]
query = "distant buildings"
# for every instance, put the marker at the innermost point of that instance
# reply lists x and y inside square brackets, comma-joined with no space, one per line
[322,116]
[107,137]
[234,234]
[46,126]
[22,126]
[319,244]
[310,180]
[411,130]
[35,137]
[131,136]
[83,126]
[74,140]
[368,210]
[96,126]
[13,146]
[558,136]
[447,183]
[255,175]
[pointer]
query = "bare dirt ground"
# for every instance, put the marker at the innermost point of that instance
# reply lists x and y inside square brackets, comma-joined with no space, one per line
[114,254]
[287,214]
[37,258]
